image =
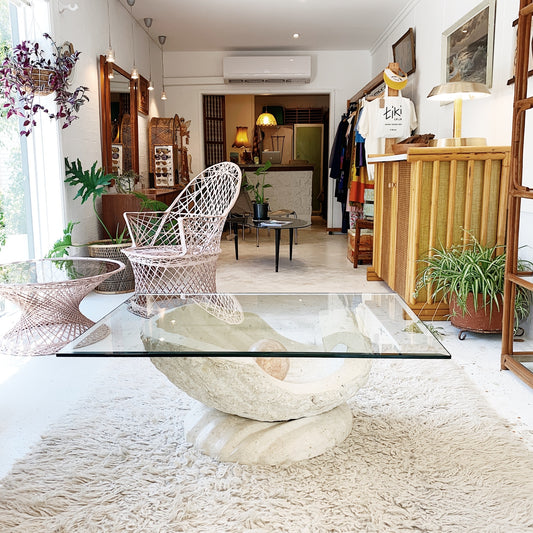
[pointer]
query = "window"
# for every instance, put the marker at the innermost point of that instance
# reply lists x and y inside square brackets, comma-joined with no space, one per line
[31,188]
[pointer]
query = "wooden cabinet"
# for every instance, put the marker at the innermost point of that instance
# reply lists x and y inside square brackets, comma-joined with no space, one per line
[434,198]
[114,205]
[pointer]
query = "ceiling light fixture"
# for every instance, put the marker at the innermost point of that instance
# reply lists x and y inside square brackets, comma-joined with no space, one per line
[162,39]
[266,119]
[148,22]
[134,72]
[110,55]
[295,35]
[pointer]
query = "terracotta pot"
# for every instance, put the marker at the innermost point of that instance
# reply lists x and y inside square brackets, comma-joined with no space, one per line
[482,320]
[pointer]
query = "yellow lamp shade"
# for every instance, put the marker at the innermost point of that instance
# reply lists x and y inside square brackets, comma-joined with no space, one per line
[266,119]
[241,138]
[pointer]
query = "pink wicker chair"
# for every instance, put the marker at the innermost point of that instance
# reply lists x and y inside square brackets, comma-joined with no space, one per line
[175,251]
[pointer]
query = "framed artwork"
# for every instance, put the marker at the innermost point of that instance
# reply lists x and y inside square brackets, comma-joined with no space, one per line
[468,45]
[143,99]
[403,51]
[511,80]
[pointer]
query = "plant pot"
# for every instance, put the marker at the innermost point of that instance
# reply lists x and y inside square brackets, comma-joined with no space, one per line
[120,282]
[480,321]
[40,78]
[260,211]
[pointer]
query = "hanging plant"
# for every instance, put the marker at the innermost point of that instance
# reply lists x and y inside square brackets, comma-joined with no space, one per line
[28,71]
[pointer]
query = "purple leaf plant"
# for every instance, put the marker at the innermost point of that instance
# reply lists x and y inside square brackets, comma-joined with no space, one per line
[21,81]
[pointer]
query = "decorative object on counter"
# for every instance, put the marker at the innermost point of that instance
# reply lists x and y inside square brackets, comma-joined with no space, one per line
[260,204]
[456,92]
[467,46]
[471,278]
[31,71]
[415,141]
[242,141]
[403,51]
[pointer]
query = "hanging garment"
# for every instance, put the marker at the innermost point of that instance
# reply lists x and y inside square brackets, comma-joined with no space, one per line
[386,117]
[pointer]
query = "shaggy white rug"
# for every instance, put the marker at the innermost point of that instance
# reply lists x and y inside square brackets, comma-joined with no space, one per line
[425,454]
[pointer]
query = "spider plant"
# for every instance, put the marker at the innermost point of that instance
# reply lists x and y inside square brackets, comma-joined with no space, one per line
[473,268]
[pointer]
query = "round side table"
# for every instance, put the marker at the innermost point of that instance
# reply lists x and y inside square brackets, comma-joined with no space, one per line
[48,293]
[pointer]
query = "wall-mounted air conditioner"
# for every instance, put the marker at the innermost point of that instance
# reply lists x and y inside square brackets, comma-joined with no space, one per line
[267,69]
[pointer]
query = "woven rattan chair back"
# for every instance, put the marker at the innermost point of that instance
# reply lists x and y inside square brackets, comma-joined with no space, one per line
[175,251]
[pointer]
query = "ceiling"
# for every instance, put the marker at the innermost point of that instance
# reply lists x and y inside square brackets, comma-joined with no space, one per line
[261,25]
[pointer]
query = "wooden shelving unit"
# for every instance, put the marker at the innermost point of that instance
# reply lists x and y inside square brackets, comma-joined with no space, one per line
[519,362]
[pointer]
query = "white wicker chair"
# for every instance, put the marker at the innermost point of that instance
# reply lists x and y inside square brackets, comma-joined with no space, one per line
[175,251]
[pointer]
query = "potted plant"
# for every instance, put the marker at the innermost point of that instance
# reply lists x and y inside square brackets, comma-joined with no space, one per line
[28,70]
[92,184]
[471,279]
[260,203]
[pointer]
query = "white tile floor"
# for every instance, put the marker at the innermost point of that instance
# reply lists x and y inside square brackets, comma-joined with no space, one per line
[34,392]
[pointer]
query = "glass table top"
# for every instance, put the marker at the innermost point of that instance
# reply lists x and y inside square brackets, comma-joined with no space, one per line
[243,325]
[44,271]
[277,223]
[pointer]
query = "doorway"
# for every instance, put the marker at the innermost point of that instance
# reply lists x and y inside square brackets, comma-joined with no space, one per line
[290,110]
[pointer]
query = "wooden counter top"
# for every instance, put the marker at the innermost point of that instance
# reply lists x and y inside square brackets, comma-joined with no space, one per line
[277,168]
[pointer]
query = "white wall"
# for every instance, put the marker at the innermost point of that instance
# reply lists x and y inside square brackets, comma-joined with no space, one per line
[189,75]
[87,29]
[339,73]
[489,117]
[429,19]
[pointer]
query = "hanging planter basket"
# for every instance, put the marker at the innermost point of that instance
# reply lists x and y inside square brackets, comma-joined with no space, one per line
[41,78]
[31,69]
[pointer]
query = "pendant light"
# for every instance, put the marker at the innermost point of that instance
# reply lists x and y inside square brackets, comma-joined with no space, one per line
[134,72]
[110,55]
[148,23]
[162,39]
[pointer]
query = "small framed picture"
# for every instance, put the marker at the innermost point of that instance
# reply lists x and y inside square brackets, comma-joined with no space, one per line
[234,157]
[403,51]
[143,99]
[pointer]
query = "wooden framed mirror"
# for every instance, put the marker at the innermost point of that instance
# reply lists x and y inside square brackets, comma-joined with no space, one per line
[118,101]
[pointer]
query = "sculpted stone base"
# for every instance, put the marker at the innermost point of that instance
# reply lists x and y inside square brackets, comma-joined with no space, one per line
[231,438]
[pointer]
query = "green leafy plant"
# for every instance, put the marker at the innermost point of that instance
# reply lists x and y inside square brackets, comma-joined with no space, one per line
[475,269]
[91,185]
[258,189]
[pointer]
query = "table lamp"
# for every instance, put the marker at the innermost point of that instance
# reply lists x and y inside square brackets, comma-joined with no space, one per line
[242,141]
[456,92]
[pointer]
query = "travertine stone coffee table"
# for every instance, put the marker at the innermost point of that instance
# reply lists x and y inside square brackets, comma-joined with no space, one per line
[273,372]
[48,292]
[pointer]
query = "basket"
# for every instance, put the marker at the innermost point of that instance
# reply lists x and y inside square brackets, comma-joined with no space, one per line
[118,283]
[40,78]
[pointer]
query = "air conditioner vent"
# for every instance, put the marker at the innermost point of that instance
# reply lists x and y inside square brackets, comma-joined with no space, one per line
[267,69]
